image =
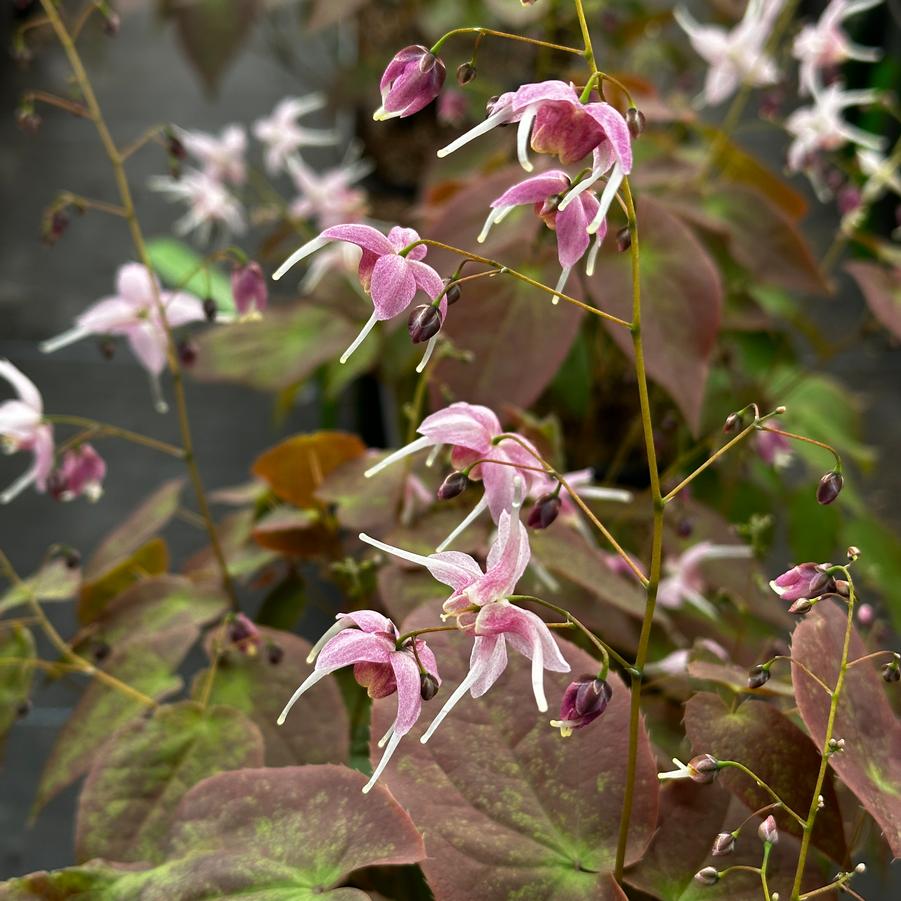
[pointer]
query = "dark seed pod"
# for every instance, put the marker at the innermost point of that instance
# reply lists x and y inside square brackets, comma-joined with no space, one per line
[830,487]
[424,323]
[545,511]
[636,120]
[623,239]
[732,423]
[209,309]
[428,686]
[466,72]
[757,676]
[455,484]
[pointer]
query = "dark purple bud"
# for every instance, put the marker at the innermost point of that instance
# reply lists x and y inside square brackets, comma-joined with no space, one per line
[274,653]
[768,832]
[100,651]
[249,289]
[848,199]
[174,146]
[758,675]
[453,293]
[69,555]
[428,686]
[684,527]
[582,703]
[188,349]
[723,844]
[804,582]
[424,323]
[55,226]
[107,348]
[623,239]
[466,72]
[703,768]
[891,671]
[636,120]
[707,876]
[732,424]
[830,487]
[544,512]
[243,634]
[411,81]
[209,309]
[455,484]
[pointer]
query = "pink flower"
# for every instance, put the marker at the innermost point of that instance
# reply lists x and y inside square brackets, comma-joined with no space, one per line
[211,206]
[282,135]
[133,312]
[412,80]
[825,45]
[774,449]
[805,581]
[470,430]
[249,289]
[734,57]
[390,277]
[480,604]
[22,428]
[367,641]
[328,198]
[242,632]
[452,108]
[685,583]
[81,472]
[582,703]
[221,158]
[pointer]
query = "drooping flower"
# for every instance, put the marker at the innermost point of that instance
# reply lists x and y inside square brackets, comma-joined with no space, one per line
[676,662]
[470,430]
[737,56]
[701,769]
[411,81]
[684,581]
[806,581]
[482,609]
[243,634]
[389,273]
[133,312]
[81,472]
[329,197]
[820,127]
[583,702]
[22,428]
[774,449]
[249,289]
[222,158]
[825,45]
[211,206]
[282,134]
[367,640]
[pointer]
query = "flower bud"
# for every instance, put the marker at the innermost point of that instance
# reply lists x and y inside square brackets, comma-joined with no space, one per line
[466,72]
[69,555]
[455,484]
[623,239]
[174,146]
[428,686]
[636,120]
[582,703]
[80,472]
[27,119]
[723,844]
[732,424]
[453,293]
[703,768]
[802,607]
[836,745]
[100,651]
[111,23]
[243,634]
[107,348]
[758,675]
[804,582]
[544,511]
[188,349]
[274,653]
[209,309]
[411,81]
[853,553]
[424,323]
[768,832]
[249,289]
[55,226]
[707,876]
[891,671]
[829,488]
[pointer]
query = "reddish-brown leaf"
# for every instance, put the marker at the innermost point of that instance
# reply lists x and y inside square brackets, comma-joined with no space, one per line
[881,289]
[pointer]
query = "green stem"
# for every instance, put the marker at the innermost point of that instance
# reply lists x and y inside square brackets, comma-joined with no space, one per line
[734,764]
[767,848]
[408,635]
[103,429]
[490,32]
[806,440]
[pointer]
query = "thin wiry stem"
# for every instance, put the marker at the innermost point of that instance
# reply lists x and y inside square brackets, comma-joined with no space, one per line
[489,32]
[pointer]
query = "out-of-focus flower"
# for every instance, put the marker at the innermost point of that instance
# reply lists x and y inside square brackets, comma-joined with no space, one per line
[249,289]
[210,204]
[133,312]
[242,633]
[676,662]
[452,107]
[774,449]
[368,642]
[390,278]
[328,198]
[825,45]
[734,56]
[22,428]
[81,472]
[282,134]
[820,127]
[220,157]
[701,769]
[470,430]
[411,81]
[583,702]
[684,581]
[804,582]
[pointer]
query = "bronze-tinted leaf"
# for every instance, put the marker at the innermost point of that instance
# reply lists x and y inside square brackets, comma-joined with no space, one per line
[16,644]
[881,289]
[870,765]
[295,533]
[54,581]
[243,555]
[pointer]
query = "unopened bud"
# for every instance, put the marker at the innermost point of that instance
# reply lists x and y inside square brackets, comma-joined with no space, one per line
[703,768]
[69,555]
[707,876]
[829,488]
[249,288]
[55,226]
[188,349]
[424,323]
[801,607]
[582,703]
[768,832]
[636,120]
[723,844]
[209,309]
[111,24]
[243,634]
[274,653]
[100,651]
[455,484]
[836,745]
[453,293]
[853,553]
[466,72]
[545,511]
[860,869]
[684,527]
[174,146]
[28,120]
[624,239]
[428,686]
[758,675]
[732,423]
[891,671]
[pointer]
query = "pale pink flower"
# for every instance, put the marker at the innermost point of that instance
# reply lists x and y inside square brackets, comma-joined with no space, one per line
[452,107]
[22,428]
[482,609]
[411,81]
[805,581]
[133,312]
[825,45]
[81,473]
[328,198]
[737,56]
[211,206]
[367,641]
[389,277]
[222,158]
[283,136]
[684,581]
[774,449]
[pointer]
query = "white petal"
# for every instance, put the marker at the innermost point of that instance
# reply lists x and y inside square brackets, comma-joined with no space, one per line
[395,551]
[430,347]
[476,511]
[405,451]
[451,702]
[473,133]
[63,340]
[610,189]
[309,682]
[299,254]
[336,627]
[18,486]
[392,747]
[370,325]
[561,283]
[522,137]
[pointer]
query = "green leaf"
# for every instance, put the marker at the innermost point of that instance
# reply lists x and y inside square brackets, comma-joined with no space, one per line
[317,729]
[183,269]
[284,604]
[16,644]
[126,806]
[54,581]
[880,563]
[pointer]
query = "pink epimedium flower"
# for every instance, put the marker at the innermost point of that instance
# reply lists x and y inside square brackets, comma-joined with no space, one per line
[329,197]
[389,273]
[470,430]
[737,56]
[412,80]
[582,703]
[211,206]
[774,449]
[222,158]
[367,641]
[805,581]
[249,289]
[480,604]
[81,473]
[684,582]
[134,313]
[825,45]
[283,136]
[22,428]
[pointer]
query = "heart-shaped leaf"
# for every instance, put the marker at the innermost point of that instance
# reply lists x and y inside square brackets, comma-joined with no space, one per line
[870,765]
[508,807]
[126,805]
[16,644]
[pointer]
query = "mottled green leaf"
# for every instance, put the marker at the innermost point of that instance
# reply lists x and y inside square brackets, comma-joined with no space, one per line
[16,673]
[54,581]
